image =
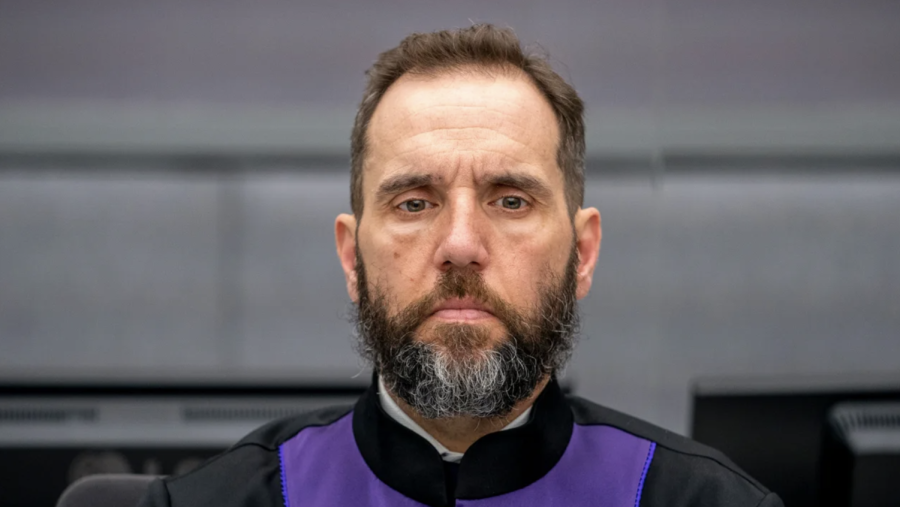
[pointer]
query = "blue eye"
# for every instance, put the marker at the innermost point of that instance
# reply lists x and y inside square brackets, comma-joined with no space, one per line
[414,205]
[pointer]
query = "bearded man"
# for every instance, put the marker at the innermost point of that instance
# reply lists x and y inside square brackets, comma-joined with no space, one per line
[466,251]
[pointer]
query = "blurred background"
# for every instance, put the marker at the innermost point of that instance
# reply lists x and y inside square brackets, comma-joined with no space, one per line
[170,172]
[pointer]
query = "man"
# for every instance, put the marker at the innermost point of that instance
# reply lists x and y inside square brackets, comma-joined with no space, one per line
[465,253]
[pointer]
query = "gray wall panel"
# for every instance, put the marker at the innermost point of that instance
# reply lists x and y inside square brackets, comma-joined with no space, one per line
[615,361]
[294,302]
[633,54]
[107,272]
[746,276]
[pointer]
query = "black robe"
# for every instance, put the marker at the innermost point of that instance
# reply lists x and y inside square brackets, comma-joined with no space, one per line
[570,453]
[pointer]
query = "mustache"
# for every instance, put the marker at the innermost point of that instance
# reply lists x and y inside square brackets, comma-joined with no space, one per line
[458,283]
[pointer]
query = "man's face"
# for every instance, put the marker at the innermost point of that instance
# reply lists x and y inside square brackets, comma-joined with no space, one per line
[461,188]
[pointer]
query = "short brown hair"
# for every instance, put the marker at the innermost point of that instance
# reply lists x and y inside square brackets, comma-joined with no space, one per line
[479,45]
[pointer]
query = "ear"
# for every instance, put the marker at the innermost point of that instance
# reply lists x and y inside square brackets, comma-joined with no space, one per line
[345,238]
[588,233]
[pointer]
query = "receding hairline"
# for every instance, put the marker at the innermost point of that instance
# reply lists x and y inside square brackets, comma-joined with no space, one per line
[490,70]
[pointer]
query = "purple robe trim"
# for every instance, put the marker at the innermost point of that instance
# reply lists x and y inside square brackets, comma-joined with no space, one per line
[284,493]
[602,466]
[637,501]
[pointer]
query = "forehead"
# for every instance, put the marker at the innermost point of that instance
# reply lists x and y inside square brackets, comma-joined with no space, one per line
[465,120]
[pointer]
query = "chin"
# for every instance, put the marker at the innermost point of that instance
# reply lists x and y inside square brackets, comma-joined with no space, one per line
[459,338]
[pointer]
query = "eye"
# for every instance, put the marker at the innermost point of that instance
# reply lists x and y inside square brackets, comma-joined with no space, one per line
[415,205]
[511,202]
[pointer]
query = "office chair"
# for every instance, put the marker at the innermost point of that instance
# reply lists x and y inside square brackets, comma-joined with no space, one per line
[106,490]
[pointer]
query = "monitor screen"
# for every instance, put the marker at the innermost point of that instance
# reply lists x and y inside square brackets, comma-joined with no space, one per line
[774,427]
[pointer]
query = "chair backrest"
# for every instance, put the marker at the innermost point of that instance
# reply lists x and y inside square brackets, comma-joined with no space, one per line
[106,490]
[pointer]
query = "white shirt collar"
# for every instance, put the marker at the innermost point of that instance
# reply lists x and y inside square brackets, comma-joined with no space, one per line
[390,406]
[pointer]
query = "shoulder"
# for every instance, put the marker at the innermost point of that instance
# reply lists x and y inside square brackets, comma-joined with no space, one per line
[588,413]
[249,473]
[682,472]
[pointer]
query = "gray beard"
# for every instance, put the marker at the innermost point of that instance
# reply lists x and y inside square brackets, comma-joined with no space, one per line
[487,384]
[454,377]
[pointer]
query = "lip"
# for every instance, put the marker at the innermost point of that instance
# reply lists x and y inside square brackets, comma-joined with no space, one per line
[465,309]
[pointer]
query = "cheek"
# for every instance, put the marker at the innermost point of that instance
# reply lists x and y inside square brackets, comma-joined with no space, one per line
[521,263]
[397,265]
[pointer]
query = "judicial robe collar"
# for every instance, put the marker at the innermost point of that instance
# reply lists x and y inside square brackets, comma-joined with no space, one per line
[497,463]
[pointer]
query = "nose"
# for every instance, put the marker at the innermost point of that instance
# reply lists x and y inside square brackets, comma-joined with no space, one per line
[462,242]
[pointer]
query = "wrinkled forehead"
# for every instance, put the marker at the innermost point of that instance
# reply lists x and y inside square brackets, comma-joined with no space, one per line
[480,118]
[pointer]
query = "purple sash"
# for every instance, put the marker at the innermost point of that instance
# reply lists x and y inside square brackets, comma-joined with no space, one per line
[601,467]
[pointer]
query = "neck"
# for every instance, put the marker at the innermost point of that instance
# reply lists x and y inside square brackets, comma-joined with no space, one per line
[459,433]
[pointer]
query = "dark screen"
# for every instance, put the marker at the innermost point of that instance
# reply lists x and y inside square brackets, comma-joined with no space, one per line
[775,437]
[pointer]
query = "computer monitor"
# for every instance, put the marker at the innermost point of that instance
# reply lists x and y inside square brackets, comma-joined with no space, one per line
[860,464]
[774,427]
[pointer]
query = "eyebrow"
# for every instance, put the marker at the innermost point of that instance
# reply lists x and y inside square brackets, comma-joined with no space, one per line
[403,182]
[400,183]
[523,182]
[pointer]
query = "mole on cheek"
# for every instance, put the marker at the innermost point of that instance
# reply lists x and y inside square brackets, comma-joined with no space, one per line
[396,255]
